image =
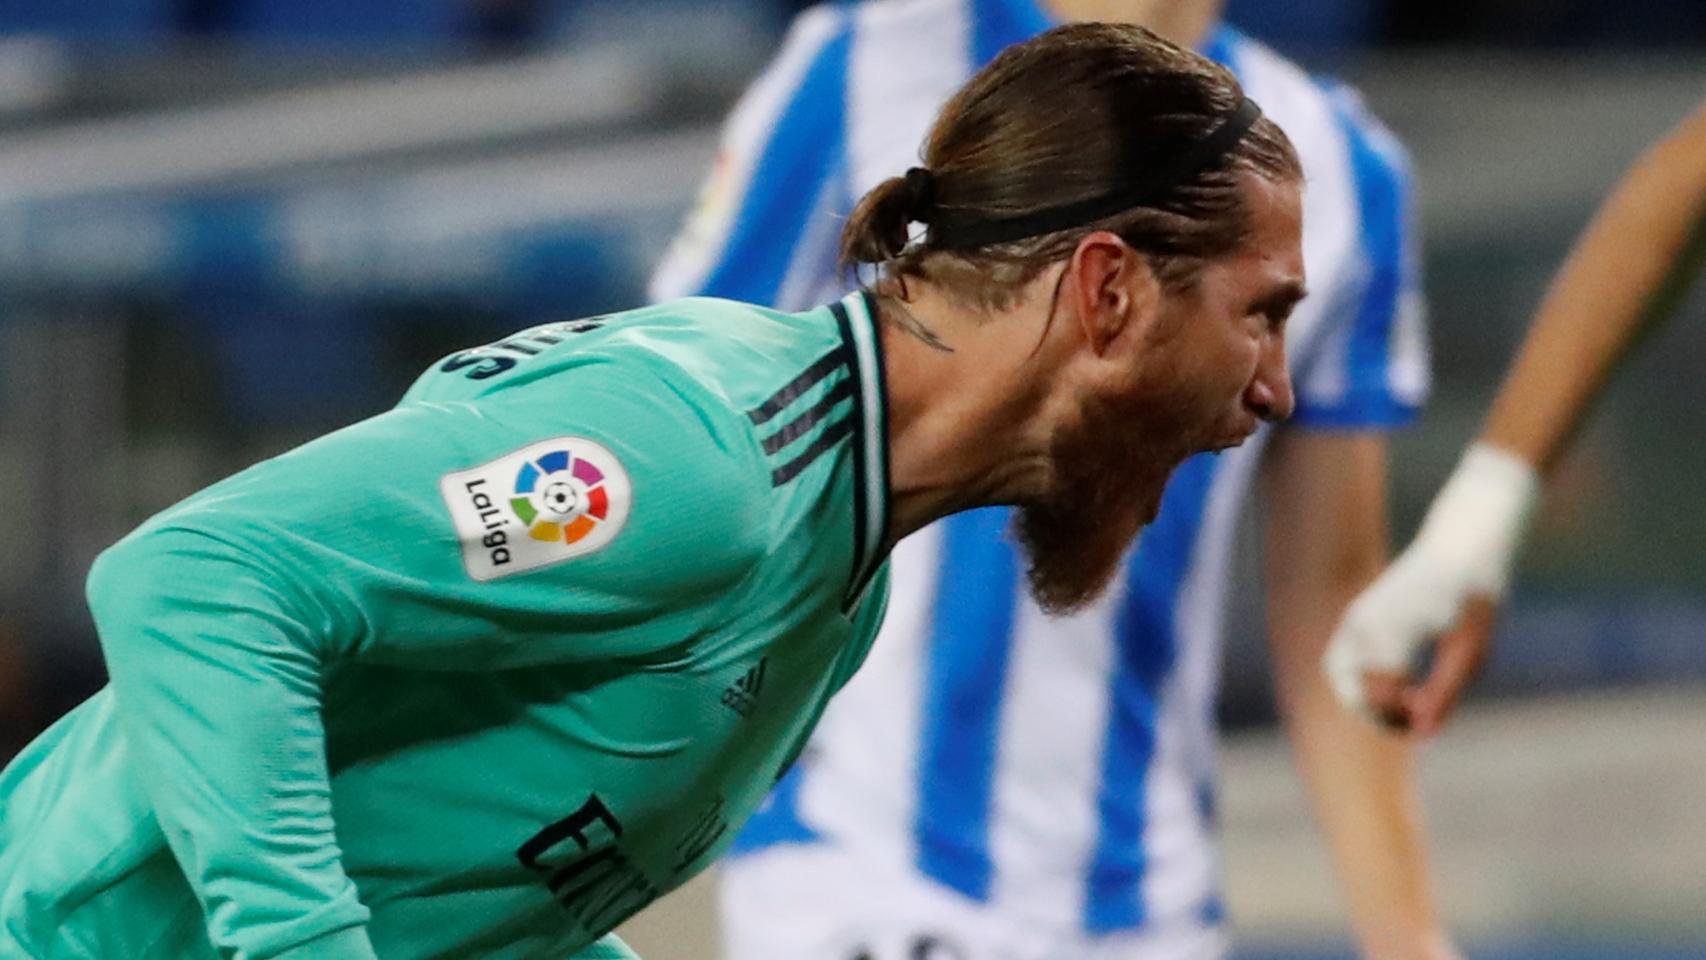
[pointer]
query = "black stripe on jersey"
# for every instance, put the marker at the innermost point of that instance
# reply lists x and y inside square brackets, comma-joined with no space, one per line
[844,324]
[868,501]
[823,367]
[825,442]
[802,424]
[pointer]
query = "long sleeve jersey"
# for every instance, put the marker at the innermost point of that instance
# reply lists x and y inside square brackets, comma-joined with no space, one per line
[480,676]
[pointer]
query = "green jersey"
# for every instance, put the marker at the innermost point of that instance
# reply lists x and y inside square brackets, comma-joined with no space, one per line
[480,676]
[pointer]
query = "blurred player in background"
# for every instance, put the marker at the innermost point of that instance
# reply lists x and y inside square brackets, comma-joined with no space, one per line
[1629,272]
[1002,784]
[483,675]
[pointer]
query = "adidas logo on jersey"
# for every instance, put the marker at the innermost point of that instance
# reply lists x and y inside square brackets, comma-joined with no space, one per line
[742,695]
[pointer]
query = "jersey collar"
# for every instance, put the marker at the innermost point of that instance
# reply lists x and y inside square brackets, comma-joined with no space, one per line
[856,315]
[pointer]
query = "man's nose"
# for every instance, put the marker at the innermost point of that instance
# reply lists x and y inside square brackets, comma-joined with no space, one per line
[1269,395]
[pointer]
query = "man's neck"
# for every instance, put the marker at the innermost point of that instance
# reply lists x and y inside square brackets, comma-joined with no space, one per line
[1185,22]
[960,434]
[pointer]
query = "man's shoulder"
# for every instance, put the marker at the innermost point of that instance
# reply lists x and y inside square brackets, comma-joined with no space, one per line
[1310,107]
[683,373]
[738,352]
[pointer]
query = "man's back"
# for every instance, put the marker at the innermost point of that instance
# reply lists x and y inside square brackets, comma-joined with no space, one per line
[486,593]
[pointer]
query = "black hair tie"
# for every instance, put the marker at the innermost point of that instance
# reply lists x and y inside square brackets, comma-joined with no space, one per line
[1143,187]
[920,193]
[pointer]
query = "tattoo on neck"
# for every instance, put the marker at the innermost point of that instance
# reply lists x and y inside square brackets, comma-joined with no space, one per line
[892,311]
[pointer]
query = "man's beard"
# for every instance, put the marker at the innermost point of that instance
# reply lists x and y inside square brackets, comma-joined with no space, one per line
[1110,473]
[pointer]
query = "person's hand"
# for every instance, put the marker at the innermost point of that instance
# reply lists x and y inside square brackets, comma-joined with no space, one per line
[1371,656]
[1443,590]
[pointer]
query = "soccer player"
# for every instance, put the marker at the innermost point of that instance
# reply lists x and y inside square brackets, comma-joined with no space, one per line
[1626,275]
[483,675]
[997,777]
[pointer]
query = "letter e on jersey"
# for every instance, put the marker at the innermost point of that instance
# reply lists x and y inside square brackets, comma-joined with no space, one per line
[544,503]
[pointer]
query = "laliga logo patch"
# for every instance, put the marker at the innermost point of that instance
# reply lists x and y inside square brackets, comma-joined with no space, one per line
[547,502]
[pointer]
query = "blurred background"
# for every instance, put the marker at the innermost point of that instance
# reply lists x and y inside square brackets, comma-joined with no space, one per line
[229,225]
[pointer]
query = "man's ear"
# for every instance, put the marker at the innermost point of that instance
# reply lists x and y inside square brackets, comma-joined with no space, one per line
[1112,289]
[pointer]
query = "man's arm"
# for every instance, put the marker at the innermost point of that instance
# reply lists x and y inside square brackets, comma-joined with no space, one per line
[1324,488]
[1627,272]
[221,618]
[1625,276]
[217,675]
[1325,536]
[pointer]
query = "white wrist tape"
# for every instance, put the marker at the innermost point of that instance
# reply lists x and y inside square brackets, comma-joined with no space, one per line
[1465,548]
[1480,517]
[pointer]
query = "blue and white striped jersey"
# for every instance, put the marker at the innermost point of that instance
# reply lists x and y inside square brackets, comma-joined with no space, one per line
[1060,769]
